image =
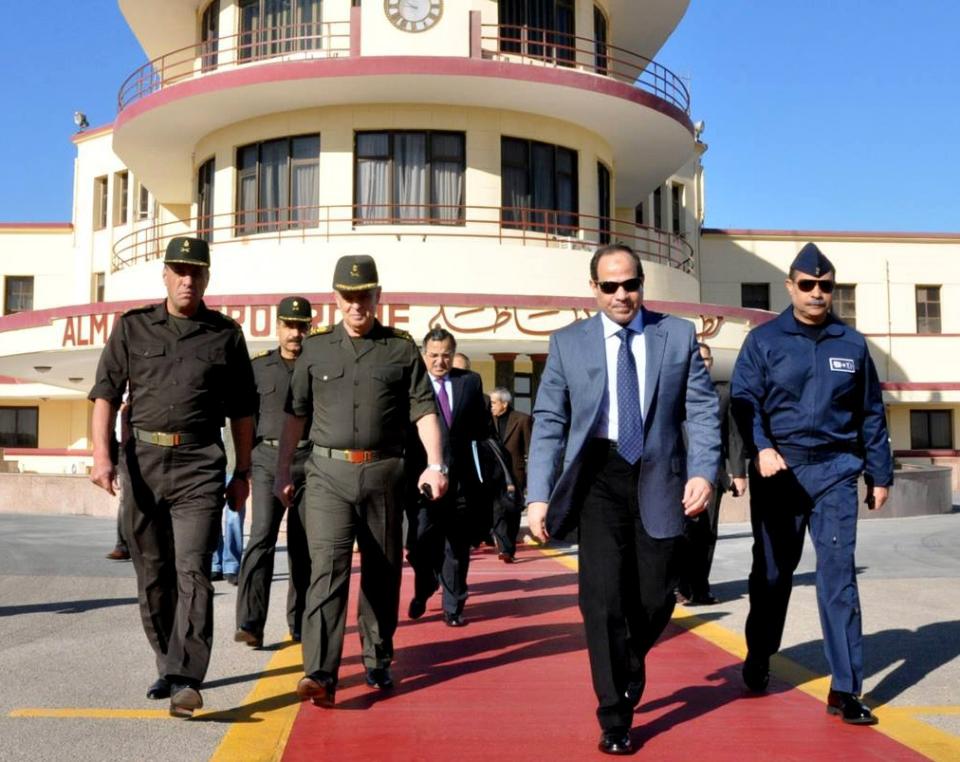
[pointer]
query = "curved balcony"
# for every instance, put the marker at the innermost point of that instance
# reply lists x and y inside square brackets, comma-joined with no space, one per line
[174,101]
[422,223]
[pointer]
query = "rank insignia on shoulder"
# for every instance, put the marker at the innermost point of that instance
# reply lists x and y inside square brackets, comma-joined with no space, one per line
[402,334]
[320,330]
[258,355]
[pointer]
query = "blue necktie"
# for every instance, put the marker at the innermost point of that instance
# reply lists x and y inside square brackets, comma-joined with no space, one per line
[629,413]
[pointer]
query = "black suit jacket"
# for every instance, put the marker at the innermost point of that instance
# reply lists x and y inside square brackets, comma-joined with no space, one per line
[733,461]
[470,423]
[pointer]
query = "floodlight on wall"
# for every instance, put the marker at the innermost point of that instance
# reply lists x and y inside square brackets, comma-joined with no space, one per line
[80,119]
[698,128]
[43,368]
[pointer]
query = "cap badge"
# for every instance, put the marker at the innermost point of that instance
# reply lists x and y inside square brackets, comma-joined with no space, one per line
[355,271]
[295,304]
[185,246]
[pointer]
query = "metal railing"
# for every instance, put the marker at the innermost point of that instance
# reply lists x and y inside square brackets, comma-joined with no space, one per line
[561,49]
[320,39]
[545,228]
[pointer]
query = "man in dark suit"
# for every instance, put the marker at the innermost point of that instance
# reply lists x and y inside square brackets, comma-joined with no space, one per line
[514,429]
[694,588]
[441,553]
[608,455]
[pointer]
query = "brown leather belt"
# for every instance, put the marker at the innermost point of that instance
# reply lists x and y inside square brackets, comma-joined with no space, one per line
[354,456]
[171,439]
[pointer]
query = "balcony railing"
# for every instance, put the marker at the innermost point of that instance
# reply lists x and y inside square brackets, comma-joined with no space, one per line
[322,39]
[329,39]
[552,48]
[496,225]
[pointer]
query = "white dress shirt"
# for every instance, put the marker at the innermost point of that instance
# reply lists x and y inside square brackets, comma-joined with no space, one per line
[607,425]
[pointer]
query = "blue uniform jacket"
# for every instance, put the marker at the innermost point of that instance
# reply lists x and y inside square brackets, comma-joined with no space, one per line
[804,398]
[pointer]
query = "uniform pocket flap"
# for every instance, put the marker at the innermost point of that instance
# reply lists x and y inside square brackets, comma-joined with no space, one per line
[149,350]
[327,372]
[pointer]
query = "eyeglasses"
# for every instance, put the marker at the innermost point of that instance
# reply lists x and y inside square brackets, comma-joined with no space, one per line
[612,286]
[808,284]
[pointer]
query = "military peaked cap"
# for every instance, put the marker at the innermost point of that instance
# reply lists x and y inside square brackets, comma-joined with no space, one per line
[355,272]
[187,251]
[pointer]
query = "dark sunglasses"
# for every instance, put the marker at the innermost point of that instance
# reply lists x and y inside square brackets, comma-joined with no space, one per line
[611,286]
[807,285]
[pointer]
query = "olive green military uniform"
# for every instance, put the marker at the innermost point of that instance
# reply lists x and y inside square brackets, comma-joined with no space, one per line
[185,377]
[272,375]
[361,394]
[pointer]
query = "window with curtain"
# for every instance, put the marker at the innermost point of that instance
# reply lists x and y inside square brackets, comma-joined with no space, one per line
[278,184]
[603,202]
[548,26]
[205,222]
[273,27]
[409,177]
[845,303]
[209,35]
[539,186]
[17,294]
[931,429]
[928,309]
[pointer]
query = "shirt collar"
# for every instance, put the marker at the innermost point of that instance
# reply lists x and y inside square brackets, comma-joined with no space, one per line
[610,328]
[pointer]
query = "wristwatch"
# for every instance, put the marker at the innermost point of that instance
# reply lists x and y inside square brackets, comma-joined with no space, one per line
[441,467]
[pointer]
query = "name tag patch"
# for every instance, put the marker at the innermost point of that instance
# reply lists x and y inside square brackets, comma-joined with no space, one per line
[842,365]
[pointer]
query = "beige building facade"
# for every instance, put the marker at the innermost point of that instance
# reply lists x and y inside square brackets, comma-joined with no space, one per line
[480,150]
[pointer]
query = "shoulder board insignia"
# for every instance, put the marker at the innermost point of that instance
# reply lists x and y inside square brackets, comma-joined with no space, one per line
[400,333]
[264,353]
[320,330]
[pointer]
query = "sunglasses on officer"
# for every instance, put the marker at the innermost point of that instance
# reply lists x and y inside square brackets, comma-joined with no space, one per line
[808,284]
[612,286]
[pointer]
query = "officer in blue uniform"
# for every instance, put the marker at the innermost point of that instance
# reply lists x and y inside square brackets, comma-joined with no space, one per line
[807,400]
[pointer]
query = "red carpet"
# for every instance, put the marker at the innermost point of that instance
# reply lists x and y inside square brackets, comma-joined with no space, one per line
[514,683]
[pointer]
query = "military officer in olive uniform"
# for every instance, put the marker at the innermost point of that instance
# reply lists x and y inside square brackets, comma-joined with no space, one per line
[187,369]
[272,371]
[362,382]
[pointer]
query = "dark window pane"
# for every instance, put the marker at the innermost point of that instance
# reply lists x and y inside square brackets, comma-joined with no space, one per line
[755,295]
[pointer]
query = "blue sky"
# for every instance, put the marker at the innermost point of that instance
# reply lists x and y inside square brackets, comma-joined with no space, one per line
[821,114]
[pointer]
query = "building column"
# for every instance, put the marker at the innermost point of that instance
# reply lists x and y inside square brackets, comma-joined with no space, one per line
[539,361]
[504,369]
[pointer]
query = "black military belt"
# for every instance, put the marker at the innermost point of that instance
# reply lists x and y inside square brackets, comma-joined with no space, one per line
[354,456]
[171,439]
[276,442]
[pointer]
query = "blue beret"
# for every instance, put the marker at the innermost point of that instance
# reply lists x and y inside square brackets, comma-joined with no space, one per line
[811,260]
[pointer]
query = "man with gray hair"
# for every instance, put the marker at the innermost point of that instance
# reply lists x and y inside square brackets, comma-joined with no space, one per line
[514,430]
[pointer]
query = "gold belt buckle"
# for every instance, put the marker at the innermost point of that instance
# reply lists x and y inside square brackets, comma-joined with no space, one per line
[354,456]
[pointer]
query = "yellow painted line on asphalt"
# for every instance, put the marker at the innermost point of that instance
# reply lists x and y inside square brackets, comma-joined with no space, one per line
[263,737]
[901,723]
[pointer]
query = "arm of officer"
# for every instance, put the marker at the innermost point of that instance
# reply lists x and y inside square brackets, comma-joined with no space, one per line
[293,431]
[878,458]
[428,430]
[703,432]
[747,392]
[104,473]
[239,487]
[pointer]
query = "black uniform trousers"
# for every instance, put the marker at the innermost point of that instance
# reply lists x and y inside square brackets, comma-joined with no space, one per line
[506,526]
[256,569]
[172,524]
[626,581]
[347,502]
[442,556]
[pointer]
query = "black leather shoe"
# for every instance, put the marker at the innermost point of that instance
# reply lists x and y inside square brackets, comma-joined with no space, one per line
[702,599]
[216,576]
[318,688]
[119,553]
[295,636]
[756,673]
[615,742]
[453,620]
[184,700]
[507,558]
[159,690]
[379,677]
[851,709]
[248,636]
[416,608]
[231,579]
